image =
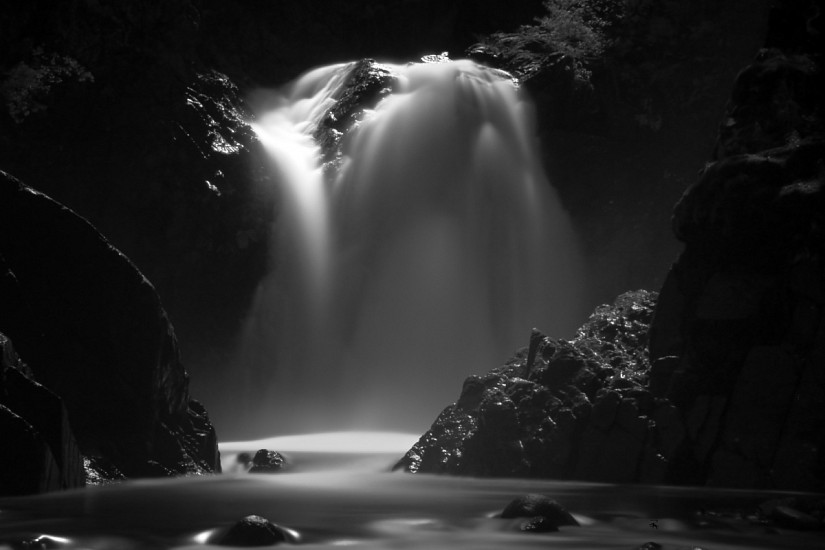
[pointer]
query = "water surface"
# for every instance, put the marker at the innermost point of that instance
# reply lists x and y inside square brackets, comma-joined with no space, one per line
[348,498]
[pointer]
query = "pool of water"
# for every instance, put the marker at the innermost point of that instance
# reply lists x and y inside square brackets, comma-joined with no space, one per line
[345,497]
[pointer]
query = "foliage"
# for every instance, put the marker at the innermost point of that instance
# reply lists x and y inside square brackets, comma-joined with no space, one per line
[573,30]
[28,85]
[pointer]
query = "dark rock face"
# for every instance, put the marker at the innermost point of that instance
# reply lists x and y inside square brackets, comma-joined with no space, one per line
[92,330]
[741,314]
[40,453]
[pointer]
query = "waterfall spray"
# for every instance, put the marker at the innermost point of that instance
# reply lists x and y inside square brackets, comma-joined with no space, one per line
[428,256]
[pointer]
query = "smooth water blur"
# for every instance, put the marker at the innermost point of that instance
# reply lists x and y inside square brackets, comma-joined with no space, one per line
[330,505]
[429,256]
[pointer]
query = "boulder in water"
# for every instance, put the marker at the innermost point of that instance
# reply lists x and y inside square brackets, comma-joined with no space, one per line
[255,531]
[267,462]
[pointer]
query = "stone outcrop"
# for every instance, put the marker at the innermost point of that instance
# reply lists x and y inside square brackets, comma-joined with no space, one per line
[92,330]
[564,409]
[366,83]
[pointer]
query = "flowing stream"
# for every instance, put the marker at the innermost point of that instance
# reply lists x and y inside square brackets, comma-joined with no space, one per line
[428,256]
[339,493]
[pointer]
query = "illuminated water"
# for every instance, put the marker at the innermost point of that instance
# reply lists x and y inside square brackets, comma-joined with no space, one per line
[347,499]
[430,256]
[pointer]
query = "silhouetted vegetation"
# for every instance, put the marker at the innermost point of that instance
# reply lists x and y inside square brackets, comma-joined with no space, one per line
[575,31]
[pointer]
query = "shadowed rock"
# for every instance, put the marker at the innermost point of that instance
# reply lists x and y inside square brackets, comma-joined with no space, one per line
[92,330]
[561,408]
[39,449]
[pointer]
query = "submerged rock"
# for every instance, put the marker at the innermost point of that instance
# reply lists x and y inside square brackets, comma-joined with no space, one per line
[544,513]
[255,531]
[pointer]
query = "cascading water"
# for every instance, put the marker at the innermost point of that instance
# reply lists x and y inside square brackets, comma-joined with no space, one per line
[429,255]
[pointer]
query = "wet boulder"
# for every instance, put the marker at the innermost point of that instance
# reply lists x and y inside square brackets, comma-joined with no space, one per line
[267,462]
[255,531]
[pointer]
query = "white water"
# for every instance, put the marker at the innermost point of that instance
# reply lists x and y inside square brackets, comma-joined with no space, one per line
[332,502]
[435,250]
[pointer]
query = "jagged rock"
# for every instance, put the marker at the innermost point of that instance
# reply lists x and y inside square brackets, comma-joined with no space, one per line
[267,462]
[100,471]
[367,83]
[92,330]
[557,409]
[37,434]
[255,531]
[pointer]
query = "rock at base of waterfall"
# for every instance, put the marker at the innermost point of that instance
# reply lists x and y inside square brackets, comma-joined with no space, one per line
[267,462]
[579,409]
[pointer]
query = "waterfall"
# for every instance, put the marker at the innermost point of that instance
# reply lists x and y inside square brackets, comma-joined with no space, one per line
[428,256]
